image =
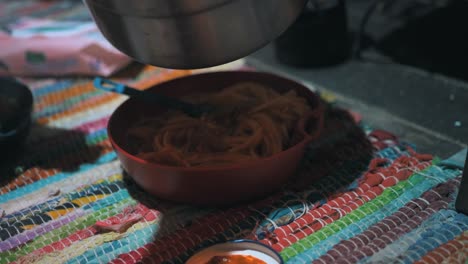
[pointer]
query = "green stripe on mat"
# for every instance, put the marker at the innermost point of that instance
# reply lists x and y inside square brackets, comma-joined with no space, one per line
[385,198]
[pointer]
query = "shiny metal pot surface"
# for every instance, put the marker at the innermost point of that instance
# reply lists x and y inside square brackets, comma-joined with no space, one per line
[189,34]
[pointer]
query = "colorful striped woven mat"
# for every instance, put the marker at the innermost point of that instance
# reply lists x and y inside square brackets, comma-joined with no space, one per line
[67,200]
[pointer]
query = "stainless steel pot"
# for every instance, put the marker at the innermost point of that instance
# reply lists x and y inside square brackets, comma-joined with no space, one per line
[189,34]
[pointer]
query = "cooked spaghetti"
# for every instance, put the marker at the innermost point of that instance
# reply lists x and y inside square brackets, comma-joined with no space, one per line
[253,122]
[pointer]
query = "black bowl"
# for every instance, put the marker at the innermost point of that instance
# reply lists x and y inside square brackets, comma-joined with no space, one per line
[16,104]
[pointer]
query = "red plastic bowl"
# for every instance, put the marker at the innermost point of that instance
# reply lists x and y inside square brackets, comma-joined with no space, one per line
[218,185]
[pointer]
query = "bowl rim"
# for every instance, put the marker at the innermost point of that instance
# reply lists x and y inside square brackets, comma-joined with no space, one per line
[238,241]
[235,166]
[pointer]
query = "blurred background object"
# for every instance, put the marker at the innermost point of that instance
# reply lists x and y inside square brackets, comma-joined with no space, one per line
[319,37]
[433,36]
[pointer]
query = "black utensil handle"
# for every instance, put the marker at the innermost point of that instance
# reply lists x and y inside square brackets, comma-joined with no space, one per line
[163,100]
[166,101]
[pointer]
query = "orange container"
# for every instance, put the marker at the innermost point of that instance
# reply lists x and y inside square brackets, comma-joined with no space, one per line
[218,185]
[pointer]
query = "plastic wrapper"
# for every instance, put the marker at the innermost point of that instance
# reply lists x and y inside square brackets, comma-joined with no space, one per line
[38,47]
